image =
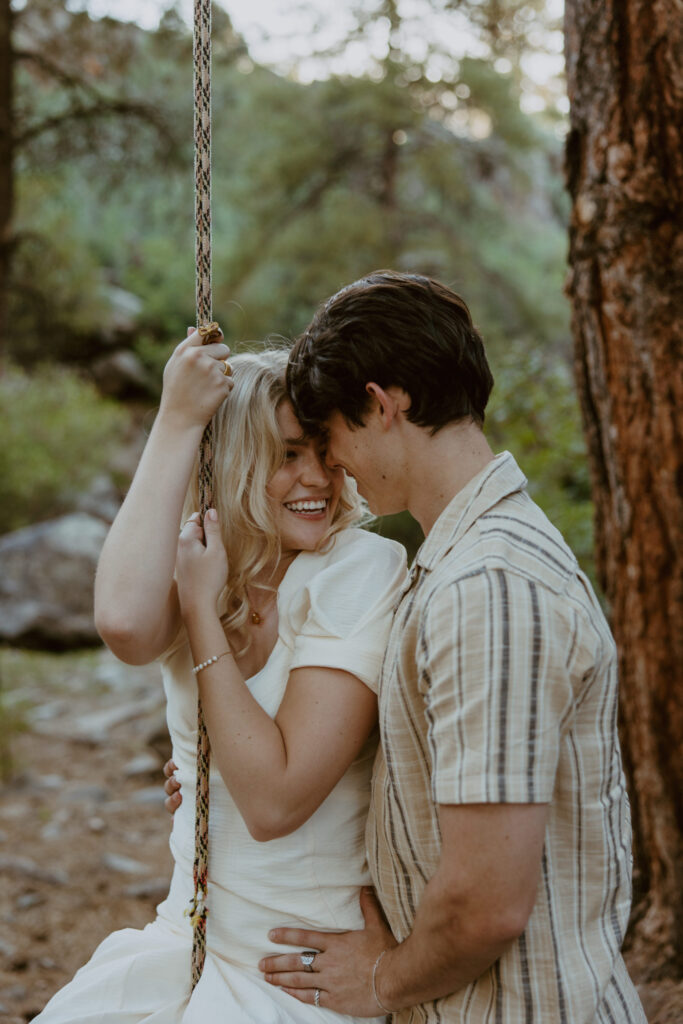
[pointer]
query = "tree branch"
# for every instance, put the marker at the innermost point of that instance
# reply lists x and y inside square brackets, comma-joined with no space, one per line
[99,105]
[98,109]
[51,67]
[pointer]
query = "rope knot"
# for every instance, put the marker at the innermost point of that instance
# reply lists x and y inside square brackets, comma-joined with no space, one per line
[208,331]
[197,910]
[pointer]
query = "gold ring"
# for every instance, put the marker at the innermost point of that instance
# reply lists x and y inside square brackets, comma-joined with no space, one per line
[227,368]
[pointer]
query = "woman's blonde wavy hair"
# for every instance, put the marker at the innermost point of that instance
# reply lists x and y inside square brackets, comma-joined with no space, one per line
[248,450]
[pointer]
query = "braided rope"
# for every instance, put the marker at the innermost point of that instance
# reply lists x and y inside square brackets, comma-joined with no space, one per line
[208,330]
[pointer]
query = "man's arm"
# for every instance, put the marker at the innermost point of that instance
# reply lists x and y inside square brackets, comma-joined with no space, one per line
[476,904]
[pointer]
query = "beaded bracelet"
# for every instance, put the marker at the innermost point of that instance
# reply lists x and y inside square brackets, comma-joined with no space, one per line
[209,661]
[374,983]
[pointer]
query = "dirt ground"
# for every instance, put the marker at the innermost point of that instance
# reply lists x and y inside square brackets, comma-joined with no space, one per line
[83,830]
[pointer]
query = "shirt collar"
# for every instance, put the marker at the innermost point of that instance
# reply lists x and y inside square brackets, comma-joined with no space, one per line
[499,478]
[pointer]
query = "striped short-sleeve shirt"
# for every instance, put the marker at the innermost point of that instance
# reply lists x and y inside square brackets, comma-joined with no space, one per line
[499,686]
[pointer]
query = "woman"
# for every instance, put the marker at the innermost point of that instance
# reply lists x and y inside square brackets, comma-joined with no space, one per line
[278,611]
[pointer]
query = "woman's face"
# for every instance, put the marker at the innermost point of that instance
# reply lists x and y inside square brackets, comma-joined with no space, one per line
[303,491]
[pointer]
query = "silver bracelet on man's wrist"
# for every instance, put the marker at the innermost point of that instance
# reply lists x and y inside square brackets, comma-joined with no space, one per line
[374,983]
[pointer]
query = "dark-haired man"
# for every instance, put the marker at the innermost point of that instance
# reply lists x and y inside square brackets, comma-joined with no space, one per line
[499,834]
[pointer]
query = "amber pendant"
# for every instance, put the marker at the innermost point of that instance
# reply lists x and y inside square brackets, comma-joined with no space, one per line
[256,618]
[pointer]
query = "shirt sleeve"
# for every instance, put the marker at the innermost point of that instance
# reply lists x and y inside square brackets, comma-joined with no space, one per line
[348,608]
[496,690]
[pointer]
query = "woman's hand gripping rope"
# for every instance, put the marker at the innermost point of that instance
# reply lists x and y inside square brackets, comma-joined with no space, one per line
[201,565]
[197,379]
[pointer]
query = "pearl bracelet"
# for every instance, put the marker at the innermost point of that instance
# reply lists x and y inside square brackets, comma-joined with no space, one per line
[210,661]
[374,983]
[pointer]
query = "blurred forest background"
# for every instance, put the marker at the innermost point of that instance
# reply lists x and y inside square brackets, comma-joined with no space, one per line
[422,159]
[314,185]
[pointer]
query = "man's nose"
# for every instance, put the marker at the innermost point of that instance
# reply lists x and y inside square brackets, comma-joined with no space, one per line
[315,472]
[330,460]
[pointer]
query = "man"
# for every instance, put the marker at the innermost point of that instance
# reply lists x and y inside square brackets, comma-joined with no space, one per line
[499,833]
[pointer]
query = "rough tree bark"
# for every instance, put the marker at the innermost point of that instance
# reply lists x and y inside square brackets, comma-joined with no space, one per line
[625,177]
[6,158]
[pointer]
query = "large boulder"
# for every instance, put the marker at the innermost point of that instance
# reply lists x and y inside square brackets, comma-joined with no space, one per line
[47,573]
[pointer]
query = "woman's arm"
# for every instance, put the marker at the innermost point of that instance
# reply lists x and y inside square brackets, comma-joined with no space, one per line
[277,771]
[136,603]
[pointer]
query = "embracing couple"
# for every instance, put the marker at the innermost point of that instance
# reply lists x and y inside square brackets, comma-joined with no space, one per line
[492,818]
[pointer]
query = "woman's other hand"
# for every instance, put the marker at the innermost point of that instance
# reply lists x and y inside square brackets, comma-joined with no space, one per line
[201,566]
[174,797]
[195,381]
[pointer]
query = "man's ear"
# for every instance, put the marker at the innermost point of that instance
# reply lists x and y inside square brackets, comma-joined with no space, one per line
[388,403]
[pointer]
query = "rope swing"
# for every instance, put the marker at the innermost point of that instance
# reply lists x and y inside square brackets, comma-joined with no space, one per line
[208,330]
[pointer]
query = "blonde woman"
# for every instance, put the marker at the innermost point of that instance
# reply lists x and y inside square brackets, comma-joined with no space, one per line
[278,612]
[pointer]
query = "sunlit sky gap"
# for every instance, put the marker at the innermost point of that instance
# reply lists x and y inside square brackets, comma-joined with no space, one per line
[286,34]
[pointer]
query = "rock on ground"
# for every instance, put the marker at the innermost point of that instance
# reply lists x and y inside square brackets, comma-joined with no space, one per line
[47,573]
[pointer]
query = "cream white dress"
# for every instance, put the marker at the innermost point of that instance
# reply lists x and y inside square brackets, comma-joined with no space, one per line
[334,610]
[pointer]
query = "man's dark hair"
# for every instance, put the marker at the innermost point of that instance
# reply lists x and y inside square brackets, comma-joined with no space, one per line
[394,329]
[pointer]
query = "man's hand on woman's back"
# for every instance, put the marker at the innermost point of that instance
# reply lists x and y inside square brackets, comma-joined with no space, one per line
[174,797]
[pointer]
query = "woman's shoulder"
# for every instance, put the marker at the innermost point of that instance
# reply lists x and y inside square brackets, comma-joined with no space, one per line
[338,612]
[355,566]
[348,591]
[353,559]
[356,545]
[353,551]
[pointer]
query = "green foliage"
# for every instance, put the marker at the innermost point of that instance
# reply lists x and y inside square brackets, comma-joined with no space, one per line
[496,94]
[29,679]
[57,433]
[13,722]
[403,528]
[314,185]
[534,413]
[46,675]
[58,295]
[153,356]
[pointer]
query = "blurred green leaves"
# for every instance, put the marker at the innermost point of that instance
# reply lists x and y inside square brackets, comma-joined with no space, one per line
[57,435]
[314,185]
[534,413]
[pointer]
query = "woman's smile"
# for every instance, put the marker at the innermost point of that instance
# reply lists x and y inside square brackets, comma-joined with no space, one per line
[308,508]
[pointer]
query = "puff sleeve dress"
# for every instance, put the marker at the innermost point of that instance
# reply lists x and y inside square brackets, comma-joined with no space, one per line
[334,611]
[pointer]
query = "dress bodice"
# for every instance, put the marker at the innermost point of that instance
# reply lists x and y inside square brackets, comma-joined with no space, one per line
[334,610]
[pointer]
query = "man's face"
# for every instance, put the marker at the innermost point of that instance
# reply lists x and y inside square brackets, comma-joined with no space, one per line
[361,452]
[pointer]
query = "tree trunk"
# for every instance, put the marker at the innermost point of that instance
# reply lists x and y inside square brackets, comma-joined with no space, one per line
[625,177]
[6,160]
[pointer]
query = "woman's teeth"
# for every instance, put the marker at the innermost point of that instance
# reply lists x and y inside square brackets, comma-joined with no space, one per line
[307,506]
